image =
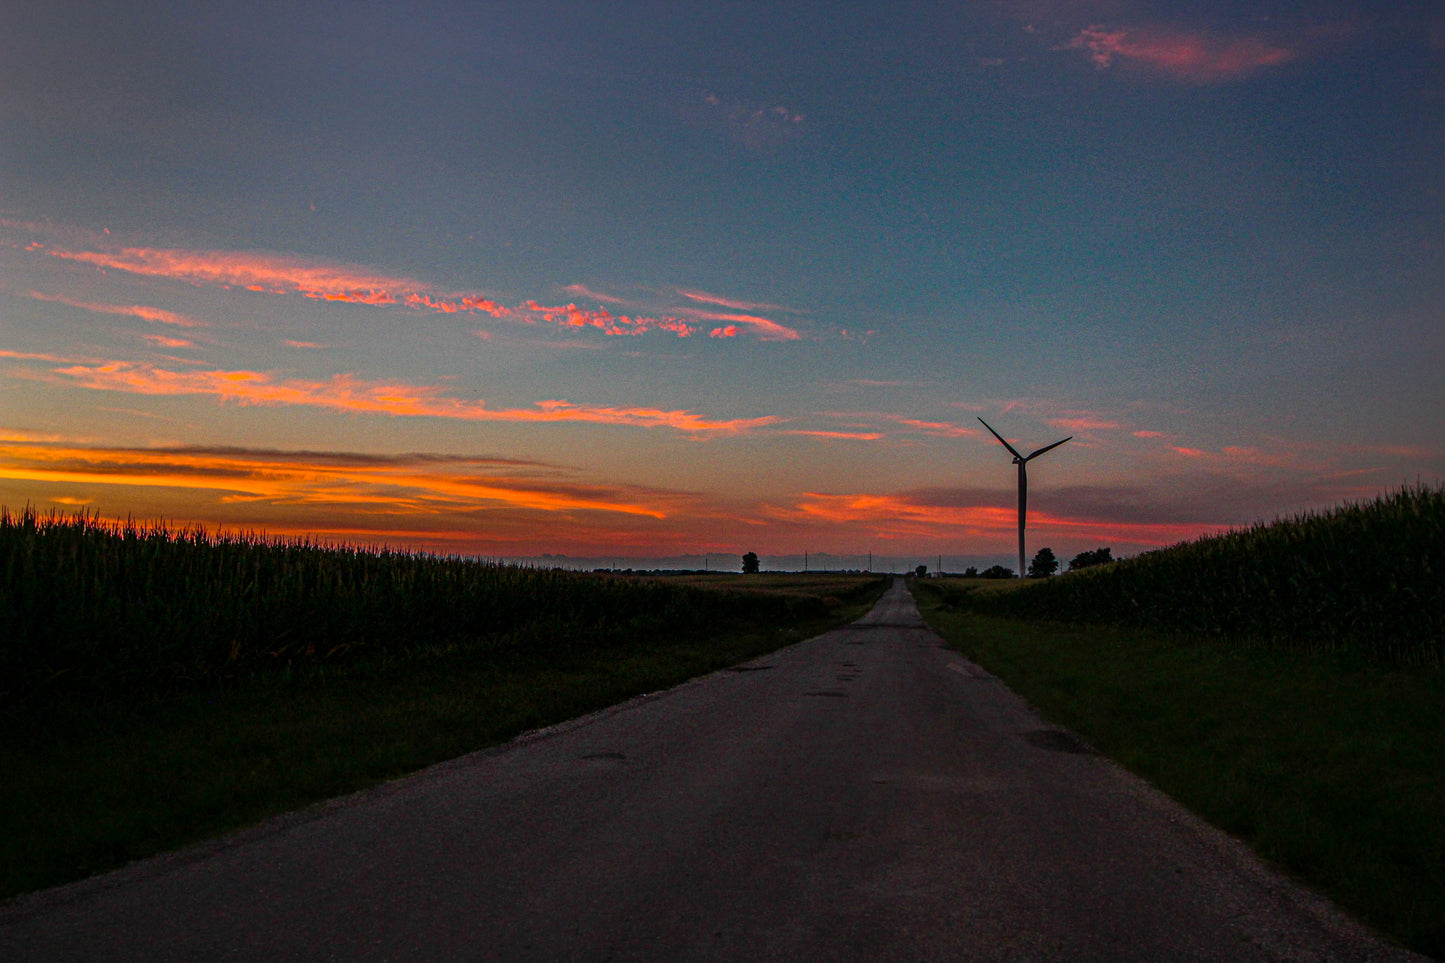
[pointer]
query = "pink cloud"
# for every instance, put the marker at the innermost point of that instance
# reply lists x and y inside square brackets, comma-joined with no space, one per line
[141,311]
[765,329]
[346,392]
[725,302]
[1195,57]
[1081,423]
[287,274]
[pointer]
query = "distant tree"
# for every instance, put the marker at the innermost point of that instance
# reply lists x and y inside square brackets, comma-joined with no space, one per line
[1044,564]
[997,571]
[1099,556]
[750,563]
[971,572]
[921,571]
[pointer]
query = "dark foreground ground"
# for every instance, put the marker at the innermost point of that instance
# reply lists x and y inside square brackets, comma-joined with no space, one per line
[865,795]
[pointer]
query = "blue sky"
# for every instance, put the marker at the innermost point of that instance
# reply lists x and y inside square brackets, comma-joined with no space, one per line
[649,279]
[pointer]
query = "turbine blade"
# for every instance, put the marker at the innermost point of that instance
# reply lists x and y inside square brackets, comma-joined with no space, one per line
[1047,447]
[1011,448]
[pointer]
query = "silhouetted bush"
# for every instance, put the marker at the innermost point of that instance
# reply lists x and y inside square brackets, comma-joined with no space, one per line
[1099,556]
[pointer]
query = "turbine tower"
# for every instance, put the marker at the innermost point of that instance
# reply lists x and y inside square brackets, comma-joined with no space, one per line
[1021,461]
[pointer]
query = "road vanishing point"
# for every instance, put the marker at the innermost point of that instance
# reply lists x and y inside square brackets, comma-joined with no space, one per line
[865,795]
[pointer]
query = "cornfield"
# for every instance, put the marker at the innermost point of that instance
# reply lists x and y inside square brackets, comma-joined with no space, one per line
[1364,578]
[87,605]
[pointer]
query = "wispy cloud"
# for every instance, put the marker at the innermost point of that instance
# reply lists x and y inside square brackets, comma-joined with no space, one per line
[882,423]
[345,392]
[978,515]
[733,303]
[840,435]
[163,341]
[756,126]
[1082,422]
[765,328]
[570,315]
[1197,57]
[279,274]
[33,356]
[399,485]
[144,312]
[939,429]
[291,275]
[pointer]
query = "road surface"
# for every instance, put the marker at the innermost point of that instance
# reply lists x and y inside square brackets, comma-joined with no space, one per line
[865,795]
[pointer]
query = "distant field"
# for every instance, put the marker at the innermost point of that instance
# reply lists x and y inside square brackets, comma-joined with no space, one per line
[161,687]
[820,584]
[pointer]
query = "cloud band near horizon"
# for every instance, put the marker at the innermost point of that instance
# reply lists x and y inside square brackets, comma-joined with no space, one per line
[345,392]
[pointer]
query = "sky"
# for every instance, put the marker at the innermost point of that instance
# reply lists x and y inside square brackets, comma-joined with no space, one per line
[663,280]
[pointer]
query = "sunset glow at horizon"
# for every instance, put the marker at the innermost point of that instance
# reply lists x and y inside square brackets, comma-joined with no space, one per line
[671,281]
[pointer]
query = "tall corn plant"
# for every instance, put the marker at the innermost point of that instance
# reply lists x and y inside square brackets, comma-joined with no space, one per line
[1364,577]
[95,606]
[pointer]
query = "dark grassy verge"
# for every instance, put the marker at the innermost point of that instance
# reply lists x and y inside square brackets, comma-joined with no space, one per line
[1330,765]
[92,782]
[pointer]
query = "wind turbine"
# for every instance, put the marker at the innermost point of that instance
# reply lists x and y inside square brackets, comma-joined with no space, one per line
[1021,461]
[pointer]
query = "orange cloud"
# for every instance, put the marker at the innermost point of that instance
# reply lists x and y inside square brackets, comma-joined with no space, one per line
[346,392]
[161,341]
[1196,57]
[278,274]
[141,311]
[614,324]
[400,485]
[29,356]
[849,435]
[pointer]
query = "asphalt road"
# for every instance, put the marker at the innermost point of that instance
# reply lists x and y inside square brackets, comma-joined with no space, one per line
[865,795]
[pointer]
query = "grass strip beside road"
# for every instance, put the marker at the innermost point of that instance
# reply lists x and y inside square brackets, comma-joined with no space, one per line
[1332,767]
[94,783]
